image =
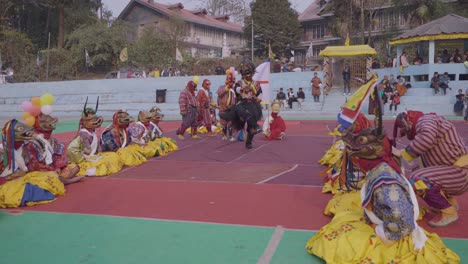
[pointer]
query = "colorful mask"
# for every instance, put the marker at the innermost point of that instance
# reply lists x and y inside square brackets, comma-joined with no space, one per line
[247,70]
[45,123]
[145,117]
[122,119]
[191,86]
[13,136]
[406,122]
[89,119]
[367,144]
[230,77]
[205,84]
[157,115]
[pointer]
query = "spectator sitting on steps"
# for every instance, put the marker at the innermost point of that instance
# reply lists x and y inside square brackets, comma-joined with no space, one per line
[291,98]
[281,97]
[300,98]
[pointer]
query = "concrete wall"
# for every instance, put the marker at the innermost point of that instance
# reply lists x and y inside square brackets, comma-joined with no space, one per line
[130,94]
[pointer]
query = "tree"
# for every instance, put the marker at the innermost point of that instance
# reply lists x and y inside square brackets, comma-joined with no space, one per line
[418,12]
[152,49]
[275,22]
[102,42]
[17,53]
[235,9]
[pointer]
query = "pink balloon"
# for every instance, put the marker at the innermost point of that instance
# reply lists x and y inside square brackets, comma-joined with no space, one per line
[35,110]
[26,106]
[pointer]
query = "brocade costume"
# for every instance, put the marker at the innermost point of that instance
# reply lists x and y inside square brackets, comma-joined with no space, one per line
[24,187]
[83,150]
[378,223]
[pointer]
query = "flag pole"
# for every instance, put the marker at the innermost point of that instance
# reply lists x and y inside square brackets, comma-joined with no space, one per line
[252,40]
[48,53]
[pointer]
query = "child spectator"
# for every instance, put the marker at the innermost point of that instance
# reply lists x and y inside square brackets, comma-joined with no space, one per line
[394,102]
[459,104]
[435,83]
[444,81]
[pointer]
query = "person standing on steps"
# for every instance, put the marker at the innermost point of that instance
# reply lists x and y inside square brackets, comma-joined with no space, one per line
[346,79]
[316,82]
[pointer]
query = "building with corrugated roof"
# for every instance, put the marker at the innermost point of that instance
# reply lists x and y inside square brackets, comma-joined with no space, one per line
[316,34]
[205,36]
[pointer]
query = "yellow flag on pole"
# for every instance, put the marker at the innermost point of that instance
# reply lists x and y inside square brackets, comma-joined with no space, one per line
[271,55]
[124,55]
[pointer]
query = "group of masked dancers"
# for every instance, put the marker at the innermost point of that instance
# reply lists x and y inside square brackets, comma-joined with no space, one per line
[36,165]
[239,107]
[380,192]
[376,203]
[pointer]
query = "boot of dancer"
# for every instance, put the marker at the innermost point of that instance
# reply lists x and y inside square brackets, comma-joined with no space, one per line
[435,198]
[195,133]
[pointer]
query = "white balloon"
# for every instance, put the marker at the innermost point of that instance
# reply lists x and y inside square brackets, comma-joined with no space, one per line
[46,109]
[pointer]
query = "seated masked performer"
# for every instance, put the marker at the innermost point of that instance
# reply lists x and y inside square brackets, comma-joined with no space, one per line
[274,126]
[83,150]
[444,158]
[227,100]
[46,153]
[157,134]
[248,109]
[23,187]
[140,135]
[116,138]
[384,230]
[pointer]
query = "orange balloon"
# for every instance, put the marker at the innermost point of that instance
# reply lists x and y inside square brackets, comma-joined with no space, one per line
[25,115]
[29,121]
[36,101]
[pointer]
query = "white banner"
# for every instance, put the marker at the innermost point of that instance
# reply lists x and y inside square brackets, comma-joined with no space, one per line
[263,76]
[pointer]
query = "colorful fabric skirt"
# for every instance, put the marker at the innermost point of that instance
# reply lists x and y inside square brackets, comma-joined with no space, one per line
[349,239]
[169,144]
[33,188]
[105,163]
[131,155]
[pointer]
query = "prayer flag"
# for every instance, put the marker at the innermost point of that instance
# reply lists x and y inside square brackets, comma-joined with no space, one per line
[124,55]
[262,75]
[88,59]
[179,55]
[310,53]
[347,40]
[351,109]
[39,59]
[271,55]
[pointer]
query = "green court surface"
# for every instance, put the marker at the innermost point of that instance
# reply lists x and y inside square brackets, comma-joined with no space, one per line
[33,237]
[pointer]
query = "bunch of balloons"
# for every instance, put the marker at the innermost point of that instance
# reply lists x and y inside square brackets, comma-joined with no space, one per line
[36,106]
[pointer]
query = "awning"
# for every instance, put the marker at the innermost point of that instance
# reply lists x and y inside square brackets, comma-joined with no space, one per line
[347,51]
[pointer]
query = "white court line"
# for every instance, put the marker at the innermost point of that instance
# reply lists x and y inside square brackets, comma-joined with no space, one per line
[195,180]
[279,174]
[198,142]
[155,159]
[272,246]
[248,152]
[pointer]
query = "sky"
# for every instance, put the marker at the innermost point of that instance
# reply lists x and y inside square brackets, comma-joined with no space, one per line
[116,6]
